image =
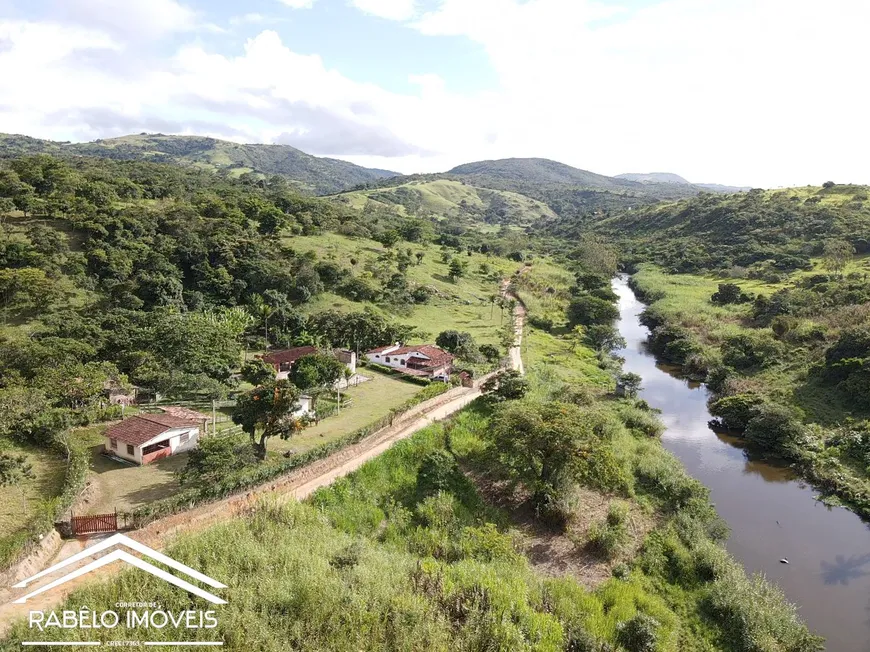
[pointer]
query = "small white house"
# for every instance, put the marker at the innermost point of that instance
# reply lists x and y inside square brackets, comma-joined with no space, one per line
[303,406]
[148,437]
[424,360]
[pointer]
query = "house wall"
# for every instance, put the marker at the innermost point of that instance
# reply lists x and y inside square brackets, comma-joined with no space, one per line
[395,362]
[304,406]
[348,358]
[121,451]
[175,445]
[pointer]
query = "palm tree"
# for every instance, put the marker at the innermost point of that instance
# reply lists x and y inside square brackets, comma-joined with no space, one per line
[262,310]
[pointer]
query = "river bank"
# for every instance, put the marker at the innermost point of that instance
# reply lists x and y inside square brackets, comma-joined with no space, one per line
[772,514]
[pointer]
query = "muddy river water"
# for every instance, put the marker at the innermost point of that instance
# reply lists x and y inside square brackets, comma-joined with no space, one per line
[771,513]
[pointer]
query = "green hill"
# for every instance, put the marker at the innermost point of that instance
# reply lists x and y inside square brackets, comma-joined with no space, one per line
[447,198]
[719,231]
[312,173]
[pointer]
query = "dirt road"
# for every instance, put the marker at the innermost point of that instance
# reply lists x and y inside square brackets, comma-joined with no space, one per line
[298,484]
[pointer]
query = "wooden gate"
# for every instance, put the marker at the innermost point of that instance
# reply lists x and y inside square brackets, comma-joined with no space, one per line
[94,523]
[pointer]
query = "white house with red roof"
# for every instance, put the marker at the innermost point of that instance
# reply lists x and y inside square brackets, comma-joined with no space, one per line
[147,437]
[424,360]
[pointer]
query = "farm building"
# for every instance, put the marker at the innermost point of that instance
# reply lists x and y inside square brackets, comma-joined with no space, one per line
[424,360]
[148,437]
[284,360]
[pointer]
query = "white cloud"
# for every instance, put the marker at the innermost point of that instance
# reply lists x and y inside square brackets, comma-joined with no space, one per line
[389,9]
[132,19]
[723,90]
[298,4]
[749,92]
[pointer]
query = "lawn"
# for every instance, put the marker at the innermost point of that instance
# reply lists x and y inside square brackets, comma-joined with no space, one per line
[23,502]
[370,401]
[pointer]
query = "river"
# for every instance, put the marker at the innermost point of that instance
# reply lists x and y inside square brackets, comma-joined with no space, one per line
[771,513]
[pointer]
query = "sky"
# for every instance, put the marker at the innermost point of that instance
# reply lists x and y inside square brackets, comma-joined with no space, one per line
[761,93]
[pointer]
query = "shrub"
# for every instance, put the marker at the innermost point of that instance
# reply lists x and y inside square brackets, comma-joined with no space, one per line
[736,411]
[608,537]
[541,323]
[775,428]
[747,351]
[729,293]
[755,617]
[438,472]
[641,421]
[640,634]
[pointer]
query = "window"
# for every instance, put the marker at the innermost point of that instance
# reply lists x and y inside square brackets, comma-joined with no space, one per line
[184,437]
[388,358]
[401,362]
[130,449]
[113,443]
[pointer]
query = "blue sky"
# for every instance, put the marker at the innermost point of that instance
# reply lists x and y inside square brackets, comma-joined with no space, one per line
[747,92]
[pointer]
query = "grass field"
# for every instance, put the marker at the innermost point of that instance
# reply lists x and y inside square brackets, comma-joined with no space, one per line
[444,197]
[25,501]
[370,401]
[461,305]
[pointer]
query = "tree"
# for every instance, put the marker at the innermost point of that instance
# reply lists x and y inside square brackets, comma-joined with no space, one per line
[587,310]
[388,238]
[490,352]
[837,254]
[506,385]
[257,372]
[603,337]
[267,411]
[456,270]
[419,256]
[458,343]
[630,383]
[262,311]
[14,469]
[543,444]
[317,370]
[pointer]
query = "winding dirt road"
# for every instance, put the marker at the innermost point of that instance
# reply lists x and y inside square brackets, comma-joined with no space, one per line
[298,484]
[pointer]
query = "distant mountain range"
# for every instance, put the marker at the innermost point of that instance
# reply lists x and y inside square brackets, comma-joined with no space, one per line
[667,177]
[312,173]
[547,187]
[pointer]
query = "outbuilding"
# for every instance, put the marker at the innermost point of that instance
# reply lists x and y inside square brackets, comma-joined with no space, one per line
[147,437]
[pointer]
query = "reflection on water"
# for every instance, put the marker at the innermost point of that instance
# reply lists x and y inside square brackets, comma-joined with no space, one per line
[772,514]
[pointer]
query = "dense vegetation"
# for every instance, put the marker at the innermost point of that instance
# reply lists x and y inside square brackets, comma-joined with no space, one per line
[760,234]
[120,273]
[319,175]
[406,553]
[774,317]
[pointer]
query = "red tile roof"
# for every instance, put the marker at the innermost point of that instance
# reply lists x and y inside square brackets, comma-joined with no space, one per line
[436,357]
[289,355]
[139,429]
[184,413]
[381,349]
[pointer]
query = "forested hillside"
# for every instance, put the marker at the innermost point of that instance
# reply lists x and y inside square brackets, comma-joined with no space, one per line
[766,296]
[780,230]
[311,173]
